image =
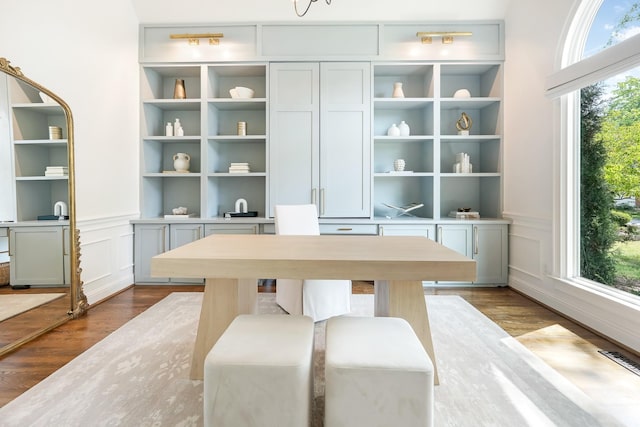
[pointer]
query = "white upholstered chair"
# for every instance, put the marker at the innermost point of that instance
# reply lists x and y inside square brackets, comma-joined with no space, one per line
[318,299]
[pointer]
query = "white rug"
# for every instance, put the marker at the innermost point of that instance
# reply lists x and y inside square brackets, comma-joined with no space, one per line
[14,304]
[138,375]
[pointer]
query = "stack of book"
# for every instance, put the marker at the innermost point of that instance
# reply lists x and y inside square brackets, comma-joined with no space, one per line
[239,168]
[464,215]
[56,171]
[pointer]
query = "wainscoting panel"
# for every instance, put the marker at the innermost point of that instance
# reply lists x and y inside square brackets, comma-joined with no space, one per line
[106,256]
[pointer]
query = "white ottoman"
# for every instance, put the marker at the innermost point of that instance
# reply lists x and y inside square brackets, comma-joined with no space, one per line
[377,373]
[260,373]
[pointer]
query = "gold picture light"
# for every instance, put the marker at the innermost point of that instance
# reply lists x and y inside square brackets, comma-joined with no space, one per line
[447,36]
[194,39]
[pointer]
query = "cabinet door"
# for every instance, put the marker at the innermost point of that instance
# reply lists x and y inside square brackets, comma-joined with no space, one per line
[181,234]
[293,133]
[456,237]
[36,256]
[149,240]
[490,253]
[345,139]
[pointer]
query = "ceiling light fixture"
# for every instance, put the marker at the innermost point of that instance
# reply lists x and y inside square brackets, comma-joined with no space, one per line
[295,6]
[194,39]
[447,36]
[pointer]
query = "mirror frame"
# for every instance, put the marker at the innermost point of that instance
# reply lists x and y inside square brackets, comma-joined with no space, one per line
[78,305]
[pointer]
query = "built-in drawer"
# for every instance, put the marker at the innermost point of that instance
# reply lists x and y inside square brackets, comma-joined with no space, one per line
[348,229]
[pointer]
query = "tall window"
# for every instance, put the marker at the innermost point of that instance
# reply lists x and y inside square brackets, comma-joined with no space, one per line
[607,220]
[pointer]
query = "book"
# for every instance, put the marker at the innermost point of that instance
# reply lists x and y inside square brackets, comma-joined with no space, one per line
[181,216]
[464,215]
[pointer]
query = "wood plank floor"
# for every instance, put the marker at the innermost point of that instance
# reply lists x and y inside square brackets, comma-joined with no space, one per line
[552,337]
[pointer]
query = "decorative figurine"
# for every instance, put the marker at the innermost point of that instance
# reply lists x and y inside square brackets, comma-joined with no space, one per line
[464,124]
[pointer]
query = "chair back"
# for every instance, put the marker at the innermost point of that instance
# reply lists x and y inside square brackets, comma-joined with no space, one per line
[299,220]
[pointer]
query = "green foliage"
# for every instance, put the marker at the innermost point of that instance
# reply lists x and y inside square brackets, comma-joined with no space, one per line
[620,218]
[631,17]
[620,133]
[598,231]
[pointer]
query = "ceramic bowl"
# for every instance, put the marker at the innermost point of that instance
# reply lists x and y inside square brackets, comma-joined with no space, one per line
[234,93]
[243,92]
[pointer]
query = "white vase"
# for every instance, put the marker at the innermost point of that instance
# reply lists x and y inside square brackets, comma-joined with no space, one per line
[404,129]
[397,90]
[181,162]
[393,130]
[398,165]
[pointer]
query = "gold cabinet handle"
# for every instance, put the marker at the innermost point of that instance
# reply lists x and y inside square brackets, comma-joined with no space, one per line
[476,240]
[345,229]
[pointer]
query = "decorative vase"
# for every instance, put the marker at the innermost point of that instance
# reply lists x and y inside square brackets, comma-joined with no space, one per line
[178,90]
[393,130]
[398,165]
[404,129]
[397,90]
[181,162]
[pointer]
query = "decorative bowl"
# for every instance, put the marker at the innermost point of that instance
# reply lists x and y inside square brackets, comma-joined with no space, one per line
[243,92]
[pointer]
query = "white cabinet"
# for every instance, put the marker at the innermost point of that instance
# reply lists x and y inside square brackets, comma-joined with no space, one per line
[38,256]
[485,243]
[154,239]
[320,130]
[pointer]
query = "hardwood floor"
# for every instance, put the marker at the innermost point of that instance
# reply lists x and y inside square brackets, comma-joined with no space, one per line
[557,340]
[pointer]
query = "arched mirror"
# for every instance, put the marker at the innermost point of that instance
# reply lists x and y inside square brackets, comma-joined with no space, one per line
[40,286]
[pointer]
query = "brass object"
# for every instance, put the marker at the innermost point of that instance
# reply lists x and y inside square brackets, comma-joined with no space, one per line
[194,39]
[447,36]
[78,301]
[464,123]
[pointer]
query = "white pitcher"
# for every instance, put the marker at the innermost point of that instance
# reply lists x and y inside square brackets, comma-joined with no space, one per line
[181,162]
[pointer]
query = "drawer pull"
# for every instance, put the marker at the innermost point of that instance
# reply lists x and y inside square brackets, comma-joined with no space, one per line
[345,229]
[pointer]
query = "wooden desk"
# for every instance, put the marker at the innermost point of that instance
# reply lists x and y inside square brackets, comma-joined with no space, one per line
[231,265]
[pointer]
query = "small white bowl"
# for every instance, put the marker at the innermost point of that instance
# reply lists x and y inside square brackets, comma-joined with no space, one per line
[243,92]
[234,93]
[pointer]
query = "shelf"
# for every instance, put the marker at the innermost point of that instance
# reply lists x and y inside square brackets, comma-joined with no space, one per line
[48,108]
[236,138]
[175,104]
[42,142]
[403,139]
[42,178]
[238,104]
[236,175]
[471,175]
[402,175]
[402,103]
[180,175]
[468,103]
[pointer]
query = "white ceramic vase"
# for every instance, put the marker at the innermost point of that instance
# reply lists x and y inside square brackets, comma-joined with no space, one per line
[404,128]
[398,165]
[393,130]
[397,90]
[181,162]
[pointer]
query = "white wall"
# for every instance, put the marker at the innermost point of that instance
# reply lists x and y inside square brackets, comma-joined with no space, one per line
[86,52]
[533,184]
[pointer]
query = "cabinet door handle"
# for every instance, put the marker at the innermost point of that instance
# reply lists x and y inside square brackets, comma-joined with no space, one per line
[345,229]
[381,230]
[164,238]
[476,241]
[11,236]
[313,196]
[439,235]
[322,201]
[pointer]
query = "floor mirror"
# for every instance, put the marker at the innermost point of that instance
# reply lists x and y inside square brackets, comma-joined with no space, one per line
[40,283]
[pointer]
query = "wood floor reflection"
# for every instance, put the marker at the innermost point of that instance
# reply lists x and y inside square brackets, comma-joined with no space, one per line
[30,322]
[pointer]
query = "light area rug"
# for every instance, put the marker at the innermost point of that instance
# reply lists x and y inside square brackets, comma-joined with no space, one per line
[13,304]
[138,375]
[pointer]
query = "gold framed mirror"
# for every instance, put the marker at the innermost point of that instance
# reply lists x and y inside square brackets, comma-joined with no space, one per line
[39,240]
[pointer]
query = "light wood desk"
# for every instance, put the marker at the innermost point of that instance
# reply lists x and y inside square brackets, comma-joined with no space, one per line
[231,265]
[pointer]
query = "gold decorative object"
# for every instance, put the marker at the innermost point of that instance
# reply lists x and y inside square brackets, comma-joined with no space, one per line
[306,9]
[464,124]
[194,39]
[447,36]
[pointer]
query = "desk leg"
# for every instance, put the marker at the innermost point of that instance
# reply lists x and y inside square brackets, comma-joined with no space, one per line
[223,300]
[405,299]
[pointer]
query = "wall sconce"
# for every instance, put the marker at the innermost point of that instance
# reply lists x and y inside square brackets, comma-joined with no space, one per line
[194,39]
[447,36]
